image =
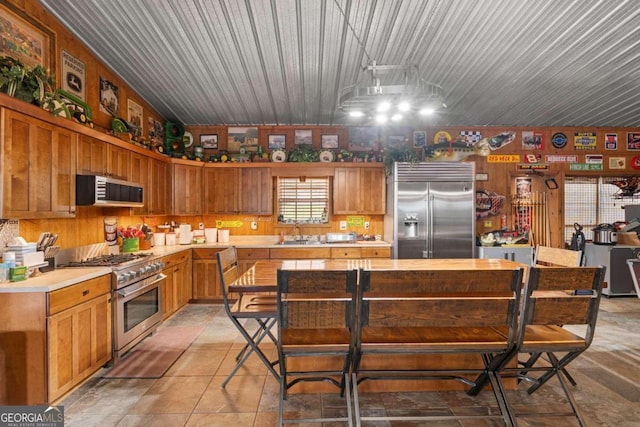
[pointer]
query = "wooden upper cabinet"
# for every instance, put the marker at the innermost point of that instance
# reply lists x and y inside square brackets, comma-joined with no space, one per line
[220,190]
[118,162]
[141,173]
[187,189]
[237,190]
[92,156]
[101,158]
[159,188]
[359,191]
[39,168]
[256,191]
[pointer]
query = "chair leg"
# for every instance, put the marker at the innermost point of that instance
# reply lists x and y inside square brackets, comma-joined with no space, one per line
[261,330]
[253,348]
[356,404]
[558,365]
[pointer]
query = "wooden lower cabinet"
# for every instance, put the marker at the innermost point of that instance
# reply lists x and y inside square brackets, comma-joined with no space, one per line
[51,342]
[248,256]
[176,289]
[79,344]
[206,284]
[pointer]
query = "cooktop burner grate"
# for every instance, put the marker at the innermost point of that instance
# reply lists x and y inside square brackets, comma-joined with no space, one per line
[107,260]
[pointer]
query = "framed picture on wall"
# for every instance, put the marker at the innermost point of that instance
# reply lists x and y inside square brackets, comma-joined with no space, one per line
[419,138]
[329,141]
[303,137]
[209,141]
[277,142]
[26,39]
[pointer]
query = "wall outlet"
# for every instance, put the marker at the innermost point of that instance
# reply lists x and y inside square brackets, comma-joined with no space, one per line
[366,225]
[254,225]
[343,225]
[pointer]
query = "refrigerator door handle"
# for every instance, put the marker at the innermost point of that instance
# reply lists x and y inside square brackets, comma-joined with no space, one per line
[429,220]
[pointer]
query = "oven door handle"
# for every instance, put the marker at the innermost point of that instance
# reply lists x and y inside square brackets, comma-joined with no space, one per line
[123,293]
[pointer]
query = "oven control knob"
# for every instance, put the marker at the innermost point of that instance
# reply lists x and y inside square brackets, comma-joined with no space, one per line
[122,278]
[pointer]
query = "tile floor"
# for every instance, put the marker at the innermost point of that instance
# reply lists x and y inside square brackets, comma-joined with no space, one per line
[190,395]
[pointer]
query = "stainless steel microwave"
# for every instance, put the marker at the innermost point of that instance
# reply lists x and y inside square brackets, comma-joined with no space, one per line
[95,190]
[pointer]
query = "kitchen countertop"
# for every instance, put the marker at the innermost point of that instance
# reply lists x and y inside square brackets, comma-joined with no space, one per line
[62,277]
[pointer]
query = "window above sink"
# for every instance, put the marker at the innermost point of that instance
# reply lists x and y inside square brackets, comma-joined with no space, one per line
[303,200]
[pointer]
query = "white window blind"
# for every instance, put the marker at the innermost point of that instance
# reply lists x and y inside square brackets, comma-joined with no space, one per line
[590,201]
[303,200]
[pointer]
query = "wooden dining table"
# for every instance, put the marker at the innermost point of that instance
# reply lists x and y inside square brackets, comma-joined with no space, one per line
[263,277]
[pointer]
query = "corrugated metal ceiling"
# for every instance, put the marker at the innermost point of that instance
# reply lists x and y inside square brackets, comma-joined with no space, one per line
[500,62]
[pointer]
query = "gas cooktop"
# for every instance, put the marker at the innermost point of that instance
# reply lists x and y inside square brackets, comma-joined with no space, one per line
[111,260]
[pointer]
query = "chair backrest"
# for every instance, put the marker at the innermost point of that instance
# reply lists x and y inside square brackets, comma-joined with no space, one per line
[228,270]
[316,299]
[440,298]
[548,256]
[563,296]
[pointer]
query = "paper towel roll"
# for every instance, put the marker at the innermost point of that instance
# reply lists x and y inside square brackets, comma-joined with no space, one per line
[223,236]
[211,235]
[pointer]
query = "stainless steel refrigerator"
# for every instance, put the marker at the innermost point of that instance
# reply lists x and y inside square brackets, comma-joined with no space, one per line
[431,210]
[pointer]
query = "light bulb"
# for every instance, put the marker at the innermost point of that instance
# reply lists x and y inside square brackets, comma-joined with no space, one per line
[381,118]
[356,113]
[404,106]
[396,117]
[383,106]
[427,111]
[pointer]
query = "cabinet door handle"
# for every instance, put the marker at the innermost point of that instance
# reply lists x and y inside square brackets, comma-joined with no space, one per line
[85,292]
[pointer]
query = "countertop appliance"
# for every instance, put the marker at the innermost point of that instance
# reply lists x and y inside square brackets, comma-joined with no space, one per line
[618,280]
[431,210]
[605,234]
[136,281]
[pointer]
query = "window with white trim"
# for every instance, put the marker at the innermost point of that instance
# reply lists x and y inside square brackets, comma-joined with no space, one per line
[303,200]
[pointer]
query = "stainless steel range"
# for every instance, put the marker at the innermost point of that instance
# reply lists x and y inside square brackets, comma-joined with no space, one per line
[136,281]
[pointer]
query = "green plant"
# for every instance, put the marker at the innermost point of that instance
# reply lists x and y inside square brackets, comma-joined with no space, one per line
[398,153]
[32,85]
[304,153]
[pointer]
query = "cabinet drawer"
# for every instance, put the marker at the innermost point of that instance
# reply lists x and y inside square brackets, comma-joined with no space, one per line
[205,253]
[346,253]
[376,252]
[175,259]
[255,253]
[297,253]
[73,295]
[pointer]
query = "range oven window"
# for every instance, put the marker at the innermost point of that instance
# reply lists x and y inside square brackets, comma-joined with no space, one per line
[140,308]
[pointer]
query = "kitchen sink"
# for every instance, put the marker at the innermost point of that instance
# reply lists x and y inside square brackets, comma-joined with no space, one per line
[301,242]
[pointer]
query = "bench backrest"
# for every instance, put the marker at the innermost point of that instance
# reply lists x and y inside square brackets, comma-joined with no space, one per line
[316,299]
[439,298]
[546,255]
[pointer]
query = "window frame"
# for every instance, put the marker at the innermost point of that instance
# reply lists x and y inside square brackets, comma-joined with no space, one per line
[315,223]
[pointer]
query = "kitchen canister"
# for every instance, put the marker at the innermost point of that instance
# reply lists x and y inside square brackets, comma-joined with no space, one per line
[170,239]
[210,235]
[223,236]
[158,239]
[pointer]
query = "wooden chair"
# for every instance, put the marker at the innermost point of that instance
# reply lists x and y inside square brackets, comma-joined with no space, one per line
[546,256]
[435,312]
[556,257]
[316,317]
[556,296]
[261,308]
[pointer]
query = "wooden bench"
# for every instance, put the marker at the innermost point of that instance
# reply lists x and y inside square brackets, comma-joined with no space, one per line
[434,312]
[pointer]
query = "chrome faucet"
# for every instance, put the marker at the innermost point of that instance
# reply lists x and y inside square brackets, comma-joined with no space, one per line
[298,227]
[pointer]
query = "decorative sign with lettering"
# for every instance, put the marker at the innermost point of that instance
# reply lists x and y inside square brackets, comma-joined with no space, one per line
[229,224]
[503,158]
[584,141]
[557,158]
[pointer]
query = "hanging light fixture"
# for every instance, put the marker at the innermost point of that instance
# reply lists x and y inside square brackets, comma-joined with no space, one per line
[402,100]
